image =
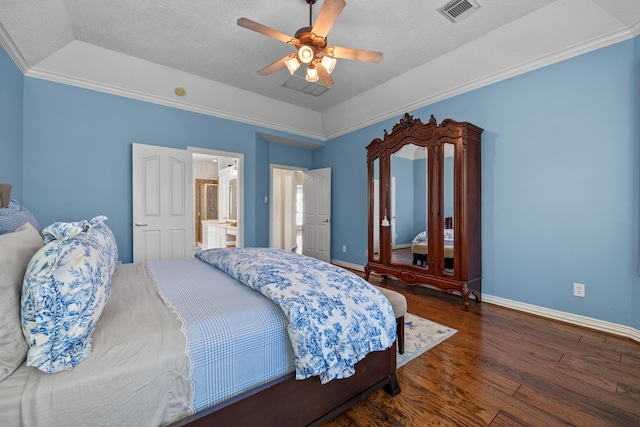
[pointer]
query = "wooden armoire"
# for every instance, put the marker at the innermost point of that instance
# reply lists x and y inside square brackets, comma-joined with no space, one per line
[424,205]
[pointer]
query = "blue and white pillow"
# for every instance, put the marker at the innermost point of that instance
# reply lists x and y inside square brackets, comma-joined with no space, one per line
[65,289]
[448,234]
[13,216]
[94,227]
[420,238]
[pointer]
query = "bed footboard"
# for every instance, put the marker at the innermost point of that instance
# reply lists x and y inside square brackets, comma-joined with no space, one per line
[288,402]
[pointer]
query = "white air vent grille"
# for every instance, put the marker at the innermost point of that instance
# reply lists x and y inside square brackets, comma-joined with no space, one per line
[457,10]
[302,85]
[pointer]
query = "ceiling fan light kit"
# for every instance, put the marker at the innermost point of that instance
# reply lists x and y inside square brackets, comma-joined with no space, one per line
[292,63]
[306,54]
[311,45]
[312,73]
[328,63]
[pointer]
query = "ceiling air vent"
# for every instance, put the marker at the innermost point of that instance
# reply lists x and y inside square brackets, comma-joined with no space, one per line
[457,10]
[302,85]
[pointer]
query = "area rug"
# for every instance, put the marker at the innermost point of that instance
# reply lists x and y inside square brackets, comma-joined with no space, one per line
[419,336]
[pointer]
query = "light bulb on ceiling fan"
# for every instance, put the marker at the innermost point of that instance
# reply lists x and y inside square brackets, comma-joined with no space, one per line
[312,73]
[292,64]
[305,54]
[328,63]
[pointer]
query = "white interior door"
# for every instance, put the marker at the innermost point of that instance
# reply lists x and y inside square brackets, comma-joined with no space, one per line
[162,203]
[316,226]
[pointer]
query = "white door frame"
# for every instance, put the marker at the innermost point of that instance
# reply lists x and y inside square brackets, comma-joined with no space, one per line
[240,157]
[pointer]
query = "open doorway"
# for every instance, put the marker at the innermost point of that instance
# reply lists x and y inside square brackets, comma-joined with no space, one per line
[286,208]
[301,211]
[217,199]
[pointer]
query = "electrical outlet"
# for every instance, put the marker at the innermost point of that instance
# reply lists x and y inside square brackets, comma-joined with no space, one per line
[344,248]
[578,290]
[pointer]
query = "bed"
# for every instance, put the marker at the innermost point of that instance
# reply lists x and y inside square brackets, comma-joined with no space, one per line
[420,248]
[186,342]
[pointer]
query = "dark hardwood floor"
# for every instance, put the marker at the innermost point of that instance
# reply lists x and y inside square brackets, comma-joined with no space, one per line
[506,368]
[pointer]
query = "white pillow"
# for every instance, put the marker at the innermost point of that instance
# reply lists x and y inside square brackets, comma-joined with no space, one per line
[16,249]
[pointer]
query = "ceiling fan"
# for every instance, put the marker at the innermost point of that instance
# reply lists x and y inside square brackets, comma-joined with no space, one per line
[311,45]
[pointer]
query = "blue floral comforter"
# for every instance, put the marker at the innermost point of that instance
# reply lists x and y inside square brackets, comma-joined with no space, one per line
[335,317]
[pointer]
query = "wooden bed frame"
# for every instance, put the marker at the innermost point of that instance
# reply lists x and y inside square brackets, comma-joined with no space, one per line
[288,402]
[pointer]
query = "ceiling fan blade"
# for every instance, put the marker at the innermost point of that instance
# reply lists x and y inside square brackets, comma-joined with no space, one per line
[354,54]
[324,77]
[329,12]
[269,32]
[273,67]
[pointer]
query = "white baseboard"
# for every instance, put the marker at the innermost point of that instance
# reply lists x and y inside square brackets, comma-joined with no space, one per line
[349,265]
[574,319]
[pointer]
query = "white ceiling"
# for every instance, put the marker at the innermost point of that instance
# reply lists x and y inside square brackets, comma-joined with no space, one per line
[147,48]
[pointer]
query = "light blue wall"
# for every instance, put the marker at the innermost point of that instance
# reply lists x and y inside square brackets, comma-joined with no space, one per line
[283,155]
[77,149]
[346,156]
[560,183]
[10,125]
[449,185]
[402,171]
[561,172]
[635,157]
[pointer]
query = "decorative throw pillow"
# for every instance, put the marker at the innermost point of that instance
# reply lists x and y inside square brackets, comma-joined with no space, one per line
[420,237]
[14,216]
[16,249]
[448,234]
[66,286]
[95,228]
[102,233]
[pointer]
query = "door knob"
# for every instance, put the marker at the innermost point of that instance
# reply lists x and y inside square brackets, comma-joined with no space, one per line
[327,220]
[140,224]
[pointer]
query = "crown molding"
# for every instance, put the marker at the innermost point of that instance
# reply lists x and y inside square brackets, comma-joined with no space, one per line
[543,61]
[7,42]
[43,74]
[372,117]
[635,29]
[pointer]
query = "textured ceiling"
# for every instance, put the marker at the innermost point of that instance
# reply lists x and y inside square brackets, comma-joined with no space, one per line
[201,37]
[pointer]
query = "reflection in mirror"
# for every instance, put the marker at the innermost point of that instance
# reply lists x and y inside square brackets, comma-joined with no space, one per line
[376,209]
[448,172]
[409,210]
